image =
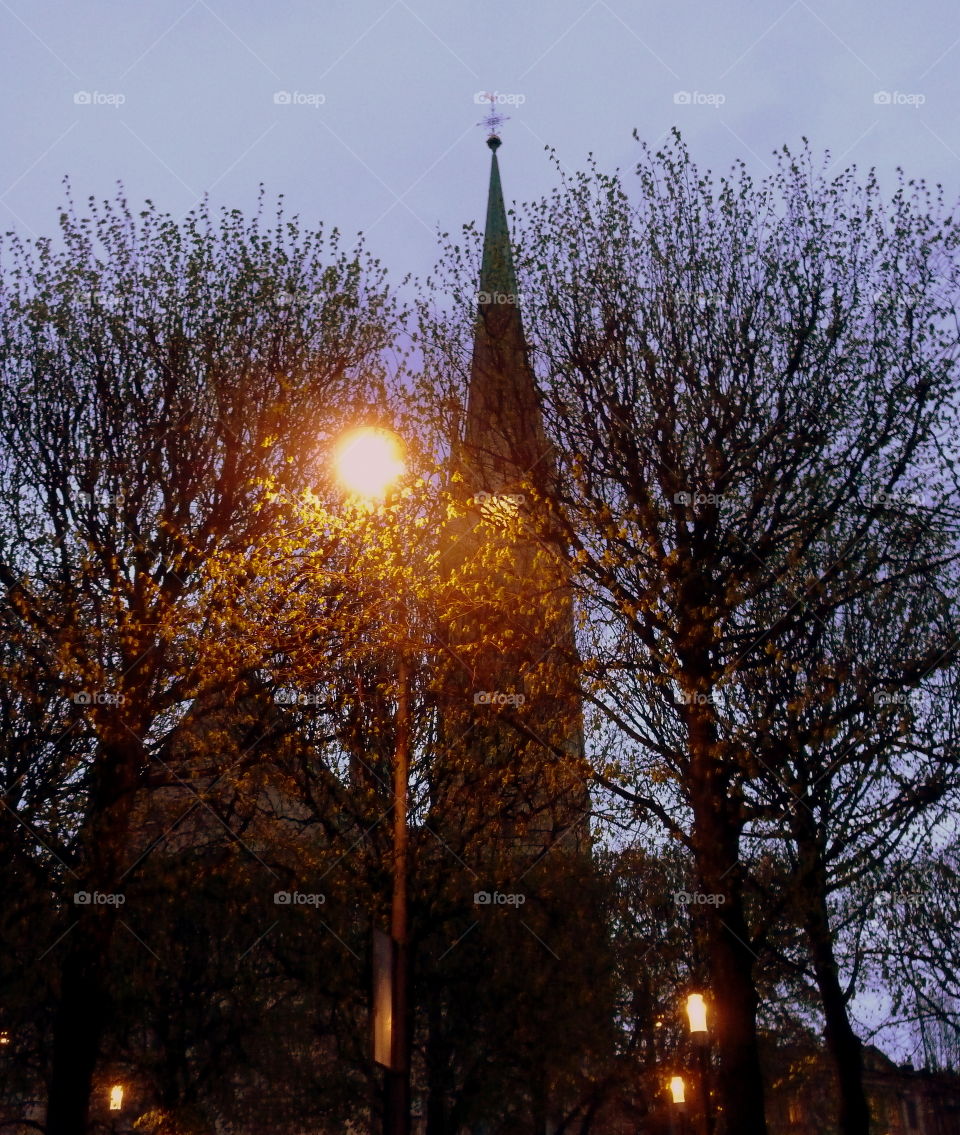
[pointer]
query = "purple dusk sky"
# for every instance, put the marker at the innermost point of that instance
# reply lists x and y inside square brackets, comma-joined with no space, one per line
[362,113]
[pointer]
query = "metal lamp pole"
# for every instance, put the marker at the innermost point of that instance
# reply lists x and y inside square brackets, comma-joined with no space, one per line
[700,1044]
[697,1014]
[397,1076]
[368,461]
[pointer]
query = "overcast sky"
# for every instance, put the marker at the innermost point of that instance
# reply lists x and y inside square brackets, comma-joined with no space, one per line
[363,112]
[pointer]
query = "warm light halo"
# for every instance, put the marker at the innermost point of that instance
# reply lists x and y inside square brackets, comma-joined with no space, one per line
[697,1012]
[677,1089]
[116,1097]
[368,461]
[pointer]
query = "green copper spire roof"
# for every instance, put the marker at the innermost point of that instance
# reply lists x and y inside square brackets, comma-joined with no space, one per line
[504,440]
[497,275]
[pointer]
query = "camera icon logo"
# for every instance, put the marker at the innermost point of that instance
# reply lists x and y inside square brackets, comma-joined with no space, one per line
[82,898]
[482,898]
[282,898]
[282,98]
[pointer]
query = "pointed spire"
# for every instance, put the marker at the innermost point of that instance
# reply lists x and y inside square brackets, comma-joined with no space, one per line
[503,440]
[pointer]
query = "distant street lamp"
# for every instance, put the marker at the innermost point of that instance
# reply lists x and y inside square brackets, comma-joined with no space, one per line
[697,1016]
[368,461]
[678,1095]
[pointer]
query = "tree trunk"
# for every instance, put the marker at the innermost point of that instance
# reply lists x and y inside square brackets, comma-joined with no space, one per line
[79,1023]
[83,1007]
[739,1091]
[437,1070]
[842,1042]
[538,1104]
[716,838]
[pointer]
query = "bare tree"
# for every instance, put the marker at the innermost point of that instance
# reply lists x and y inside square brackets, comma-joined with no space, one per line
[749,386]
[160,384]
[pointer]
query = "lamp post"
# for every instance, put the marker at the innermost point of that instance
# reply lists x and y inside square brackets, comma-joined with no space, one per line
[368,461]
[697,1016]
[115,1106]
[678,1095]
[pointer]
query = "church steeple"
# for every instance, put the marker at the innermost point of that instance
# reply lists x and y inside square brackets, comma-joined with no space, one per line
[503,441]
[536,762]
[497,274]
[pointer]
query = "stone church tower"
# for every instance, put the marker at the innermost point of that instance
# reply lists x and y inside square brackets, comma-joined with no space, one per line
[514,977]
[519,729]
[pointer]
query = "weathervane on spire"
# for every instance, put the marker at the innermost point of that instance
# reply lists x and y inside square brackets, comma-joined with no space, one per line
[493,120]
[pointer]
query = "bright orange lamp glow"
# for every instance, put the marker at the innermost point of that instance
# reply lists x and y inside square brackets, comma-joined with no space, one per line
[677,1089]
[697,1012]
[116,1097]
[368,461]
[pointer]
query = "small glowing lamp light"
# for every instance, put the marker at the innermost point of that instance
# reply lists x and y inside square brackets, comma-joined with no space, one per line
[368,461]
[116,1097]
[678,1090]
[697,1012]
[4,1036]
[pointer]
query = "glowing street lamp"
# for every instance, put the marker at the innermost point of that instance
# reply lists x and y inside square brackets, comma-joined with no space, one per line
[678,1113]
[697,1014]
[368,461]
[116,1097]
